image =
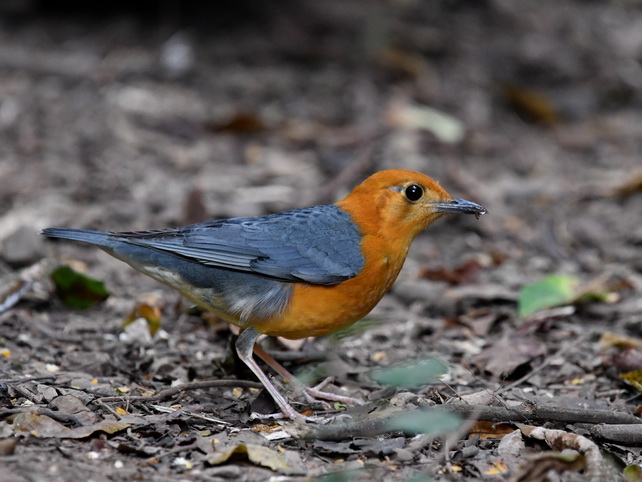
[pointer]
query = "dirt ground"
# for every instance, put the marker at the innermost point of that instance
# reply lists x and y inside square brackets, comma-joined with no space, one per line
[139,119]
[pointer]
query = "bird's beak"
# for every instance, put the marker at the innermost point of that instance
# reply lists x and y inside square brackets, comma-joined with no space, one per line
[459,206]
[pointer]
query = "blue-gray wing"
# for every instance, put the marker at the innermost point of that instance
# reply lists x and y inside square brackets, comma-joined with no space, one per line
[318,245]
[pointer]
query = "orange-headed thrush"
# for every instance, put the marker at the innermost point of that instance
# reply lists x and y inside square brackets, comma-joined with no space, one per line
[305,272]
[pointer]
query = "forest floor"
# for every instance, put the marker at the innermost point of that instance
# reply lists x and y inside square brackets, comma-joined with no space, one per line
[138,120]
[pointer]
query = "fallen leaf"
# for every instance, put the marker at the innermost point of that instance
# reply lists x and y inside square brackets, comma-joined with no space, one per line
[332,447]
[44,427]
[538,467]
[257,454]
[632,186]
[497,469]
[457,276]
[384,447]
[73,405]
[12,292]
[634,378]
[151,314]
[504,356]
[37,425]
[8,446]
[531,104]
[77,290]
[194,210]
[490,430]
[370,446]
[576,453]
[397,60]
[629,360]
[480,321]
[444,127]
[557,289]
[554,290]
[614,340]
[240,123]
[107,426]
[633,473]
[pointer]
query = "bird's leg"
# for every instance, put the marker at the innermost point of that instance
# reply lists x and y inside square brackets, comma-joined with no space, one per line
[309,393]
[244,345]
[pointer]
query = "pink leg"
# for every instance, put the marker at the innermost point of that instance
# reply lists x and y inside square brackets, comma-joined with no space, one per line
[244,345]
[309,393]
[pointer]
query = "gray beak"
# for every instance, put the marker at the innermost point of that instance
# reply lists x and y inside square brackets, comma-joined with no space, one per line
[460,206]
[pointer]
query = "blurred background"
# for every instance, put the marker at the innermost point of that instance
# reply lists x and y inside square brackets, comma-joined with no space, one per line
[140,115]
[122,116]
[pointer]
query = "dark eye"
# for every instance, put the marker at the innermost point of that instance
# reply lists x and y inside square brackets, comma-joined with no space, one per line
[414,192]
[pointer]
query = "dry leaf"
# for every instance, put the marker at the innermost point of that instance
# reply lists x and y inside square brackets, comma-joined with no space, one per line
[634,378]
[497,469]
[457,276]
[504,356]
[629,360]
[257,454]
[490,430]
[151,314]
[580,453]
[194,210]
[43,427]
[531,104]
[610,340]
[630,187]
[240,123]
[444,127]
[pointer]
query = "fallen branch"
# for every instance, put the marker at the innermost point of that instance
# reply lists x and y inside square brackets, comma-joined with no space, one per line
[531,412]
[170,392]
[372,425]
[620,434]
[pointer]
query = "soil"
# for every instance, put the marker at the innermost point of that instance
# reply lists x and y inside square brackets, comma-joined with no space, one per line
[163,115]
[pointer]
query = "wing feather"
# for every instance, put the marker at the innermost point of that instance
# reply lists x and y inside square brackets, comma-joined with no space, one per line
[318,245]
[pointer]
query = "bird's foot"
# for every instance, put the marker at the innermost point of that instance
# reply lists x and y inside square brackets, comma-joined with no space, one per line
[294,416]
[314,393]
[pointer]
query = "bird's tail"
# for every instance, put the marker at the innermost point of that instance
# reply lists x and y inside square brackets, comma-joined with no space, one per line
[97,238]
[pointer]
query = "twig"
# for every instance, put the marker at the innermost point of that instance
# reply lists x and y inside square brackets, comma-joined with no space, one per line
[526,412]
[620,434]
[30,379]
[532,412]
[176,411]
[296,356]
[175,450]
[100,402]
[452,438]
[55,415]
[170,392]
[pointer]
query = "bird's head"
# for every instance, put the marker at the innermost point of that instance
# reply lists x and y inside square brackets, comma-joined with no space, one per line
[399,203]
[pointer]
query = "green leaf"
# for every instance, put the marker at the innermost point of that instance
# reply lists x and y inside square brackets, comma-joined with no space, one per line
[410,375]
[554,290]
[77,290]
[633,473]
[431,421]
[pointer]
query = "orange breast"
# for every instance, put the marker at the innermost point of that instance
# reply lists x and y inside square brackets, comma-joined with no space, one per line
[321,310]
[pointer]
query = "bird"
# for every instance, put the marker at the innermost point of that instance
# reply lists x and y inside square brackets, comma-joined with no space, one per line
[304,272]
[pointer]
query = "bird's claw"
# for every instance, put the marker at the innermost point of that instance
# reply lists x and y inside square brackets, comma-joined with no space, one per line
[315,393]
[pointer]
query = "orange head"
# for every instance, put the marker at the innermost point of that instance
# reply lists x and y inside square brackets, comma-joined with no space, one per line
[398,204]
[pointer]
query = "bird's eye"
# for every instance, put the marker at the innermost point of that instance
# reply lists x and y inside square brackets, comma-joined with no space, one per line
[414,192]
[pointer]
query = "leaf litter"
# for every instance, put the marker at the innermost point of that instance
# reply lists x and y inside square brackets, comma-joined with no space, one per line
[126,148]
